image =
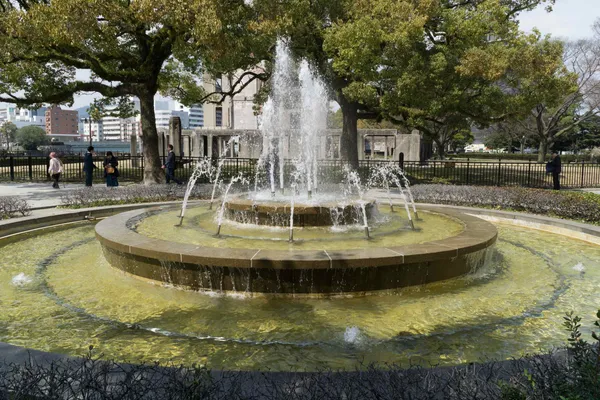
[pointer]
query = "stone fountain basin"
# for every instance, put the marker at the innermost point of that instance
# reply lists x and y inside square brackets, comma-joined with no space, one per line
[274,212]
[295,272]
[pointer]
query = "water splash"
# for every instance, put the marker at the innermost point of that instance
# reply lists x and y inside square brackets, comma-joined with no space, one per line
[203,168]
[238,178]
[284,124]
[579,267]
[353,335]
[21,280]
[354,181]
[220,166]
[389,172]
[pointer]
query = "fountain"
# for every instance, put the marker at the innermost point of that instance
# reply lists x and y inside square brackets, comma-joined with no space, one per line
[282,276]
[284,237]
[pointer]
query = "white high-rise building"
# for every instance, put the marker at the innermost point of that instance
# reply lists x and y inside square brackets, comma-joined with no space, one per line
[23,116]
[163,117]
[96,127]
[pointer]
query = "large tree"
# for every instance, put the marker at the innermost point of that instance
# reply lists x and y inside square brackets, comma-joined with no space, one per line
[131,48]
[30,137]
[8,133]
[562,96]
[435,65]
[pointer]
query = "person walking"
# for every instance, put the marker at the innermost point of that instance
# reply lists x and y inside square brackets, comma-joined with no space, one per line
[170,167]
[555,168]
[111,173]
[55,169]
[89,166]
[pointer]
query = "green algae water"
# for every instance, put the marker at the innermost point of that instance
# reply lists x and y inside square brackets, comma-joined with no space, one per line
[387,229]
[58,294]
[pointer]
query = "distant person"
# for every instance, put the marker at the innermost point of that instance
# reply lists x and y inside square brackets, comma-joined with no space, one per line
[554,167]
[170,167]
[55,169]
[111,173]
[89,166]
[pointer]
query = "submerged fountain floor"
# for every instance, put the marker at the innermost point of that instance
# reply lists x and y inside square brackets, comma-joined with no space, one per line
[59,294]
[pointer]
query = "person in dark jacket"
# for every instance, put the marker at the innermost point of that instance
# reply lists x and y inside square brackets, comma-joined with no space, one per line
[555,168]
[89,166]
[111,173]
[170,167]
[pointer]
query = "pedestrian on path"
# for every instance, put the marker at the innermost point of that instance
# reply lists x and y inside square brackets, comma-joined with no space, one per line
[555,168]
[89,166]
[111,173]
[170,167]
[55,169]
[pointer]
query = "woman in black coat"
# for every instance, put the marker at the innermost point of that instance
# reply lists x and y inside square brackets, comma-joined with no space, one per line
[111,173]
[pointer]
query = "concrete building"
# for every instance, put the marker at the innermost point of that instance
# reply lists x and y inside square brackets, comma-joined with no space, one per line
[96,128]
[22,116]
[196,116]
[163,117]
[115,128]
[235,112]
[387,144]
[62,124]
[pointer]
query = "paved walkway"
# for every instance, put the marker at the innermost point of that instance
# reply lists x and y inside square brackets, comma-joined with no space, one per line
[38,195]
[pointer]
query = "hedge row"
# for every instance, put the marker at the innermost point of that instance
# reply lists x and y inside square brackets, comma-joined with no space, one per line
[522,157]
[578,206]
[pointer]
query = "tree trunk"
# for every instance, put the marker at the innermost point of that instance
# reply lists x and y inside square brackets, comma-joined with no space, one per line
[543,150]
[441,150]
[349,138]
[153,172]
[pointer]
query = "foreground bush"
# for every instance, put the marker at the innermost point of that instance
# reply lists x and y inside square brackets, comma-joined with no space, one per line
[534,377]
[103,196]
[562,204]
[13,206]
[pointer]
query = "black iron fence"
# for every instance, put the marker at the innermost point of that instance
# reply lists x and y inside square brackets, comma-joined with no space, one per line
[464,172]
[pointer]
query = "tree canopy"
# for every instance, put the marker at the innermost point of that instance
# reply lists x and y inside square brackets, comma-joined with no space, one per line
[131,48]
[435,65]
[30,137]
[8,133]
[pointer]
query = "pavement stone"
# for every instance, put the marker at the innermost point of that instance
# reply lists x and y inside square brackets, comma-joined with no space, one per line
[38,195]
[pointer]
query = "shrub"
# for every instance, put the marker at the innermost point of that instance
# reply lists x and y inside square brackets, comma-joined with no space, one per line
[103,196]
[562,204]
[13,206]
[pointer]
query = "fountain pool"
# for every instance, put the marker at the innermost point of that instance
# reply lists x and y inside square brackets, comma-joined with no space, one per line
[60,294]
[292,275]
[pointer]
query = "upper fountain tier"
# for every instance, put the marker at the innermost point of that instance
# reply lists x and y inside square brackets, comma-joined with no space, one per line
[277,212]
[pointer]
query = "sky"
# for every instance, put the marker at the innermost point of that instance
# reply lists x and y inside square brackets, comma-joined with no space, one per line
[570,19]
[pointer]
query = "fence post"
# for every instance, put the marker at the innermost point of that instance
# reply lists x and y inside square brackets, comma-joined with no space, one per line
[29,168]
[582,172]
[529,174]
[12,168]
[401,160]
[468,169]
[499,171]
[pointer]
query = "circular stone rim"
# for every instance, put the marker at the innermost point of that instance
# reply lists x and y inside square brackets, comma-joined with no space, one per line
[240,204]
[478,234]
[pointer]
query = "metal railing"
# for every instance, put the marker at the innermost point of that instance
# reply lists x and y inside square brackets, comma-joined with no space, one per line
[463,172]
